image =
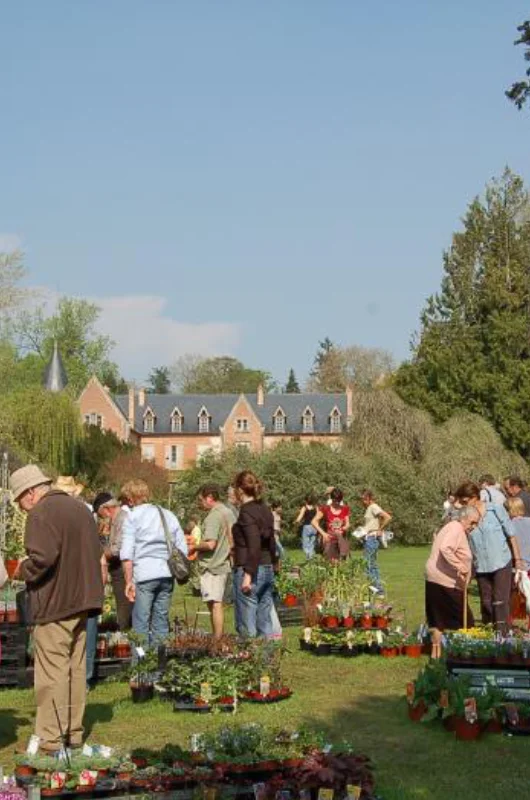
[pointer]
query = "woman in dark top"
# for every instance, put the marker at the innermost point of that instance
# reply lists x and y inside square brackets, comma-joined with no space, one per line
[305,519]
[254,559]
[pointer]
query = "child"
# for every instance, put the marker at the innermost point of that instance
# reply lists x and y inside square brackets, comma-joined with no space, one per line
[193,537]
[277,514]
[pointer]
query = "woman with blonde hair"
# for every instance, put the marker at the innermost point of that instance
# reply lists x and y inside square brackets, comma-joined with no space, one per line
[254,559]
[147,532]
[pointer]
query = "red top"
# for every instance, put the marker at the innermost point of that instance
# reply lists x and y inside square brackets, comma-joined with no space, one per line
[336,519]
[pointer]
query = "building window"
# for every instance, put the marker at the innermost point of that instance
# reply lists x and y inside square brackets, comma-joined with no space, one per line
[149,422]
[335,421]
[204,421]
[242,425]
[176,423]
[173,457]
[308,421]
[94,419]
[279,422]
[148,452]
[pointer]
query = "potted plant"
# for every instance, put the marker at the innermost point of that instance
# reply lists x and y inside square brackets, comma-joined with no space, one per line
[428,688]
[330,615]
[391,646]
[411,645]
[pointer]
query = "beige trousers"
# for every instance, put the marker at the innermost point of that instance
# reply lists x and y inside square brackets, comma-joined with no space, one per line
[60,678]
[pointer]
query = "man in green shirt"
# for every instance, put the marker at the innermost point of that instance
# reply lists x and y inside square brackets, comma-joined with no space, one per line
[214,554]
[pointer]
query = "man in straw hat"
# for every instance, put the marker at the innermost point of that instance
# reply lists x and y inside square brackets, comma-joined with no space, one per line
[62,573]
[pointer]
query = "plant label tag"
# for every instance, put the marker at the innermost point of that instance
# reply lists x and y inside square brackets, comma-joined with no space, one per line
[195,742]
[512,714]
[206,692]
[140,652]
[354,792]
[307,635]
[399,629]
[33,745]
[325,794]
[410,693]
[209,792]
[265,686]
[470,709]
[379,638]
[260,791]
[444,699]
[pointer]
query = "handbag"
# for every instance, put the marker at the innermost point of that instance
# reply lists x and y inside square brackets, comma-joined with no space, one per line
[178,564]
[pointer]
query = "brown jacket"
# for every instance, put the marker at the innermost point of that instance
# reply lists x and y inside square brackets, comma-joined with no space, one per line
[62,571]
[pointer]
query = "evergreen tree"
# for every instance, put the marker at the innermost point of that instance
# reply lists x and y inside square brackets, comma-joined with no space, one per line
[160,380]
[519,92]
[473,350]
[292,386]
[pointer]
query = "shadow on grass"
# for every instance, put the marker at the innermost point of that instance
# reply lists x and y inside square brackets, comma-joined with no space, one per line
[95,714]
[420,761]
[10,722]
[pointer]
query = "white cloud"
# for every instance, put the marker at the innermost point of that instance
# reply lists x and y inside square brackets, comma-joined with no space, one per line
[10,242]
[146,336]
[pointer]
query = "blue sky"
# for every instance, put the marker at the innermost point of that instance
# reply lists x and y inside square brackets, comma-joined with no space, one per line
[250,177]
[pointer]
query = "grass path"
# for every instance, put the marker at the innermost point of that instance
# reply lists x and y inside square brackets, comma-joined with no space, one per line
[359,699]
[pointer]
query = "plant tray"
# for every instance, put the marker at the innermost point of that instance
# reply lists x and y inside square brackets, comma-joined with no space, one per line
[290,616]
[179,705]
[285,695]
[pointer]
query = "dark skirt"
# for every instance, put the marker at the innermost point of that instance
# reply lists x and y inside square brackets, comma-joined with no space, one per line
[444,608]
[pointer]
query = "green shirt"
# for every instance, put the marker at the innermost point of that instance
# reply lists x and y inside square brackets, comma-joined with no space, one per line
[217,527]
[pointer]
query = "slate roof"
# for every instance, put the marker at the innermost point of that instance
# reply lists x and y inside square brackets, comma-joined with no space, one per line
[219,407]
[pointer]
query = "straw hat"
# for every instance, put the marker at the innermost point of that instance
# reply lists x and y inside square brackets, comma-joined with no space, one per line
[27,478]
[67,484]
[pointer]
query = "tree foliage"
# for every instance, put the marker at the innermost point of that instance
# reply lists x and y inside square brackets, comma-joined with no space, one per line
[292,386]
[409,471]
[11,272]
[160,381]
[73,325]
[519,92]
[473,350]
[96,449]
[219,375]
[127,465]
[336,367]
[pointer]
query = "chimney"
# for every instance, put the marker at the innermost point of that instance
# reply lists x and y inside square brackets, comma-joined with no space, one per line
[261,395]
[131,408]
[141,397]
[349,402]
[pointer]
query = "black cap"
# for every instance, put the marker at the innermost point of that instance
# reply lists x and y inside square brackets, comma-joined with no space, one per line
[100,500]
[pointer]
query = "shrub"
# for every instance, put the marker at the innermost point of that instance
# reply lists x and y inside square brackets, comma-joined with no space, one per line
[126,466]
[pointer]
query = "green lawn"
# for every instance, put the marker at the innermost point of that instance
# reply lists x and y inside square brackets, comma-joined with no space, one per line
[361,700]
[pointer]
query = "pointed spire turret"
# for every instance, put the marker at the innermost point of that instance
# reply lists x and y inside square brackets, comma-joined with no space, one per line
[55,374]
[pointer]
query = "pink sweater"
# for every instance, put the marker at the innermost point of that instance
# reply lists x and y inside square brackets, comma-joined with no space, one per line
[450,554]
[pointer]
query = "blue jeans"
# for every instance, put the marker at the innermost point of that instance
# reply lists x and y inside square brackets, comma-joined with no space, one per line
[253,611]
[150,616]
[309,540]
[280,550]
[371,546]
[91,645]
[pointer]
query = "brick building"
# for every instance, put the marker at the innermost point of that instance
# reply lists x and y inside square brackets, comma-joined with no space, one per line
[175,430]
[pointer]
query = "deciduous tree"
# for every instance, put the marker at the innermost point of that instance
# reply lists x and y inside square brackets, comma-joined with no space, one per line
[219,375]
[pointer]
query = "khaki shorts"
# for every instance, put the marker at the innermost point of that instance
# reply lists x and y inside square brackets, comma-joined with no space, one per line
[213,587]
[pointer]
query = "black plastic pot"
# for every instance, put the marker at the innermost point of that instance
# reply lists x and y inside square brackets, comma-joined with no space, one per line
[323,650]
[143,693]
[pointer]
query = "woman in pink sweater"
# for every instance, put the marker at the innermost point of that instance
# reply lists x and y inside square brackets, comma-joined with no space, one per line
[447,572]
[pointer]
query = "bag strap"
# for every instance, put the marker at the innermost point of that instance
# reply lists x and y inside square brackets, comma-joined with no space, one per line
[169,543]
[501,523]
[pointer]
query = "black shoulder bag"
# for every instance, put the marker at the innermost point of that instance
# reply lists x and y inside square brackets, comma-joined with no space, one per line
[178,564]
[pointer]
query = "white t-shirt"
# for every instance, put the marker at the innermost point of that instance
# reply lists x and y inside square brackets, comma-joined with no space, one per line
[371,518]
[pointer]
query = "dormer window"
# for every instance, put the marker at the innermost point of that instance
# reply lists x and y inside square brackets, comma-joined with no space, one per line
[278,419]
[335,421]
[176,421]
[308,421]
[204,421]
[149,421]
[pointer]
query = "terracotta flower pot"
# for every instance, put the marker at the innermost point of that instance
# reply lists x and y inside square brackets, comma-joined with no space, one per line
[290,600]
[389,652]
[330,621]
[380,622]
[366,622]
[348,622]
[12,616]
[24,770]
[417,712]
[2,615]
[11,567]
[449,723]
[466,731]
[493,726]
[413,650]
